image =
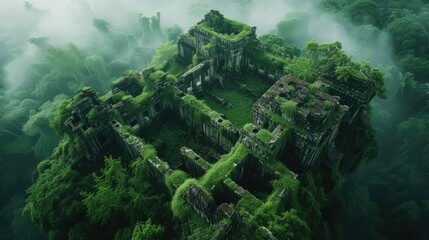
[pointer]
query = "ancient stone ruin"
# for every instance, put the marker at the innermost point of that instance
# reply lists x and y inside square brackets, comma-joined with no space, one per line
[293,123]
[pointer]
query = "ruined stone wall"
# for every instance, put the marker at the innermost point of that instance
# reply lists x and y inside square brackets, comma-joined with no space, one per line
[197,78]
[214,129]
[186,47]
[128,84]
[314,126]
[201,202]
[196,166]
[354,93]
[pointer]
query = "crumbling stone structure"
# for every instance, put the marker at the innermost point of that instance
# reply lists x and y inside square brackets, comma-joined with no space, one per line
[90,124]
[195,79]
[293,123]
[216,34]
[128,84]
[312,116]
[354,93]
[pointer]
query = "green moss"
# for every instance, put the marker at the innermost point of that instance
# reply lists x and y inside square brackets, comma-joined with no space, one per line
[344,73]
[126,97]
[174,179]
[265,135]
[286,106]
[221,170]
[310,103]
[315,86]
[89,131]
[148,152]
[106,96]
[118,96]
[287,187]
[290,88]
[249,203]
[91,114]
[226,123]
[174,68]
[280,120]
[327,105]
[248,127]
[210,46]
[191,100]
[164,53]
[199,108]
[129,129]
[179,206]
[127,73]
[155,76]
[237,29]
[269,60]
[143,100]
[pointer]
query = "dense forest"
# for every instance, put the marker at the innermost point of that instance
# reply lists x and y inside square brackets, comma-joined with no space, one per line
[382,197]
[387,197]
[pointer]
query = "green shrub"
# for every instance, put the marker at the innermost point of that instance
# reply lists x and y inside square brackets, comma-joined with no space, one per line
[176,178]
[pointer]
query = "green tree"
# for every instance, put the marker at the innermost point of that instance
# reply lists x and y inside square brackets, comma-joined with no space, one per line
[289,226]
[409,36]
[38,125]
[278,46]
[174,32]
[331,62]
[61,72]
[147,231]
[108,200]
[416,65]
[101,25]
[365,12]
[294,28]
[98,72]
[301,68]
[54,200]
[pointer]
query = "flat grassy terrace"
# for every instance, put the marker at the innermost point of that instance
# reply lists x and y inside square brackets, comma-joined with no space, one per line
[238,96]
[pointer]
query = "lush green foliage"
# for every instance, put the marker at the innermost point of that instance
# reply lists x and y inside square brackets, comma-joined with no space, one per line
[331,62]
[387,197]
[238,101]
[108,198]
[293,28]
[163,53]
[69,204]
[174,32]
[220,171]
[289,226]
[179,206]
[147,231]
[278,46]
[175,179]
[287,107]
[224,27]
[265,135]
[301,68]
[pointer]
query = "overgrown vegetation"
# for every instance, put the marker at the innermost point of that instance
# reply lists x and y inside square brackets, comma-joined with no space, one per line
[223,27]
[372,197]
[388,199]
[220,171]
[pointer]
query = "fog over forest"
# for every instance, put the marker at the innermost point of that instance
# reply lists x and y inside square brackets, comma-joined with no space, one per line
[51,49]
[71,21]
